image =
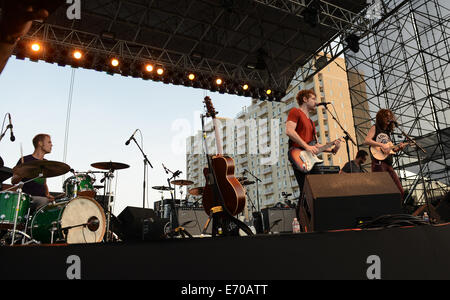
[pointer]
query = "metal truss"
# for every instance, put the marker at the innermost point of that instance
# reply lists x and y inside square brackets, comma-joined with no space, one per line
[211,37]
[404,66]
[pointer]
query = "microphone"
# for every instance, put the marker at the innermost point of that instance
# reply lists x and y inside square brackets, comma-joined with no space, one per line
[323,103]
[393,122]
[129,140]
[177,173]
[12,138]
[165,169]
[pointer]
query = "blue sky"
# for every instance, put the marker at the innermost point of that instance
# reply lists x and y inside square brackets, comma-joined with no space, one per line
[105,112]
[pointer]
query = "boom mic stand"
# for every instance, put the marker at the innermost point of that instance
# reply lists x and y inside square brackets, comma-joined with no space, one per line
[418,147]
[347,137]
[257,186]
[146,161]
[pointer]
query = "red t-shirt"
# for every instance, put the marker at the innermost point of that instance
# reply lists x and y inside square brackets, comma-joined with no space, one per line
[305,127]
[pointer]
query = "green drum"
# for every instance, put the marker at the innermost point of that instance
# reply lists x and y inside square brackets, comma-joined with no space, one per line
[8,205]
[84,184]
[77,221]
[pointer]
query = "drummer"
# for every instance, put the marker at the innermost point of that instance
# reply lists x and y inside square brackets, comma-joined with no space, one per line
[37,188]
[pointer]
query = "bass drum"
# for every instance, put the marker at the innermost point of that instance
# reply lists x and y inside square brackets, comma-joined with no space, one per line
[77,221]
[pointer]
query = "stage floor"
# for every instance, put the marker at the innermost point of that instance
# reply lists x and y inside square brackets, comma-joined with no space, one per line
[420,252]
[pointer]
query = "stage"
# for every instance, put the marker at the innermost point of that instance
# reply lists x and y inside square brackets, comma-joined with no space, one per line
[420,252]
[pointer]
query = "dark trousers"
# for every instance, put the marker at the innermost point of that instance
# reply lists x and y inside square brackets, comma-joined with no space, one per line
[381,166]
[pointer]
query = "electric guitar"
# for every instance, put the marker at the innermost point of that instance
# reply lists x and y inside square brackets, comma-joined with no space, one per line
[306,160]
[379,154]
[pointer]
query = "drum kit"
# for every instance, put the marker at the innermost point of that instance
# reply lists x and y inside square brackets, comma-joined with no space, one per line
[74,218]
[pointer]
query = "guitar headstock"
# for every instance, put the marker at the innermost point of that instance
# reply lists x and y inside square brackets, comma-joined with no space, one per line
[209,107]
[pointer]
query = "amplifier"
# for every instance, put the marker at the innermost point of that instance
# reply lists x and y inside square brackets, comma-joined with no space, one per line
[278,219]
[325,170]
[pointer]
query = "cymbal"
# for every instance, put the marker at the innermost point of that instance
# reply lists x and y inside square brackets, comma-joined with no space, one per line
[110,166]
[48,168]
[197,191]
[242,178]
[182,182]
[162,188]
[247,182]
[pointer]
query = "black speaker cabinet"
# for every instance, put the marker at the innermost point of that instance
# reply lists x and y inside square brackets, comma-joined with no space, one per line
[141,224]
[340,201]
[278,219]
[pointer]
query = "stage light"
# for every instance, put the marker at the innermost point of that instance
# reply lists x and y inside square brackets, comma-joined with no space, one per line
[245,87]
[219,81]
[160,71]
[191,76]
[149,68]
[353,42]
[77,54]
[114,62]
[36,47]
[269,91]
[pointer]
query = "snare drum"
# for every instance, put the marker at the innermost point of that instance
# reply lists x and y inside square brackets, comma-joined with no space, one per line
[78,221]
[85,186]
[8,205]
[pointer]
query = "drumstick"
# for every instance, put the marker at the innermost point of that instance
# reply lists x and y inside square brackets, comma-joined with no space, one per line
[21,153]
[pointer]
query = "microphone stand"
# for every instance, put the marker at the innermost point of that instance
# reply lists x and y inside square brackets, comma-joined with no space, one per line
[418,147]
[146,161]
[347,137]
[257,187]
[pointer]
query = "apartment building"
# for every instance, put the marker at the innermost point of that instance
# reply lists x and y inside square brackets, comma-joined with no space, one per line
[257,141]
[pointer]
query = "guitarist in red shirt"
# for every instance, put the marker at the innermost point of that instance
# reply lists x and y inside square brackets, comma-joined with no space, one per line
[302,134]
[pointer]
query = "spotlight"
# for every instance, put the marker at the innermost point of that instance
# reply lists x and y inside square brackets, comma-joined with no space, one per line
[245,87]
[219,81]
[191,76]
[114,62]
[149,68]
[311,14]
[160,71]
[36,47]
[77,54]
[269,91]
[353,42]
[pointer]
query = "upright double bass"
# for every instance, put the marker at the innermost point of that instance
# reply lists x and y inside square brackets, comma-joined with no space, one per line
[228,191]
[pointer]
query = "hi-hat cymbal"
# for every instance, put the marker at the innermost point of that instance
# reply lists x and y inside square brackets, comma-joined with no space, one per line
[197,191]
[182,182]
[162,188]
[47,168]
[110,166]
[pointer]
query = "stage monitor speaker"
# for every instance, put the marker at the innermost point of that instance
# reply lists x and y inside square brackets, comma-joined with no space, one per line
[443,208]
[141,224]
[341,201]
[193,219]
[278,219]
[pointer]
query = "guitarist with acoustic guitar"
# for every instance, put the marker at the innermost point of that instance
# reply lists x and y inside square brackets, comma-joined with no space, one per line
[303,142]
[381,147]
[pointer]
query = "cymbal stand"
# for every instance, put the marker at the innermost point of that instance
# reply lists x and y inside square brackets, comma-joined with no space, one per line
[108,182]
[19,199]
[176,228]
[146,161]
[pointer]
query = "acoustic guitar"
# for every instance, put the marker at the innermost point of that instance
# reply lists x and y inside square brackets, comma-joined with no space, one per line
[231,190]
[379,154]
[305,160]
